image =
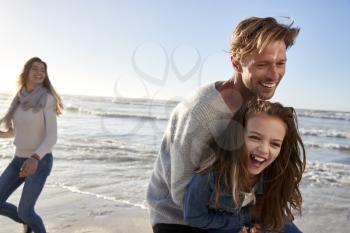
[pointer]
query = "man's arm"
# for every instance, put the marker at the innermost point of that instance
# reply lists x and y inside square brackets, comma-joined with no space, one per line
[187,146]
[9,134]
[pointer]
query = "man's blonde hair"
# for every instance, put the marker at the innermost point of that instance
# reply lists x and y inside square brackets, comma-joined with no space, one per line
[254,34]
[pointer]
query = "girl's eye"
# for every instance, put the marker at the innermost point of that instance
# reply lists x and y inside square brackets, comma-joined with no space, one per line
[277,145]
[254,137]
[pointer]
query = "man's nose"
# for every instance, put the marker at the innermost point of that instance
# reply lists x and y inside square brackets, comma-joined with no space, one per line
[273,72]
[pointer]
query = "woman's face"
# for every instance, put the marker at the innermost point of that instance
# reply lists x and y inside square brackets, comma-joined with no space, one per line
[37,74]
[263,138]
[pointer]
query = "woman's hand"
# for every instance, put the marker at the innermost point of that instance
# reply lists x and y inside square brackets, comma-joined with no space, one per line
[29,167]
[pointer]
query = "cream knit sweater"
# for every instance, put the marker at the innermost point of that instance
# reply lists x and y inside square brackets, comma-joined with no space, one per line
[35,133]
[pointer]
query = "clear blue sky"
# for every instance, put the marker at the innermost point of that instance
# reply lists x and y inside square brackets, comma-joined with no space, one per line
[89,46]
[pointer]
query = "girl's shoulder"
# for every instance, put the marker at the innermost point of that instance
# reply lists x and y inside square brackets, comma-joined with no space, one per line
[205,178]
[50,99]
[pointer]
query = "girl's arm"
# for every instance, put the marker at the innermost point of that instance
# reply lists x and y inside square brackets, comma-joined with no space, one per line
[51,128]
[198,214]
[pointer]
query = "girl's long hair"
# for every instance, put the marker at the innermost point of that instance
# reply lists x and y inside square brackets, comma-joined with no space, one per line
[281,178]
[23,77]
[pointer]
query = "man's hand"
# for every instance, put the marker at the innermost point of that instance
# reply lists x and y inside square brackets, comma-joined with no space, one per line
[29,167]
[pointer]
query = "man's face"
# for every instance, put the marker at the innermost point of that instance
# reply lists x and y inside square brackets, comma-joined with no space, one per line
[261,73]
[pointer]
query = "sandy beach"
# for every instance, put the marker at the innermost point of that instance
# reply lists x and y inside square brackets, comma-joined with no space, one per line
[68,212]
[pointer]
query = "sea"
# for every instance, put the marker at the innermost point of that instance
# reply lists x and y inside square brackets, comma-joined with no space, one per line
[107,148]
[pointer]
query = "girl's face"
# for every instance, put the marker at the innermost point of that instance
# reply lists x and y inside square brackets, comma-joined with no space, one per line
[36,74]
[263,138]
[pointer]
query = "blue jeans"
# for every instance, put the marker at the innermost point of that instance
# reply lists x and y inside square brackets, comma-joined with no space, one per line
[33,185]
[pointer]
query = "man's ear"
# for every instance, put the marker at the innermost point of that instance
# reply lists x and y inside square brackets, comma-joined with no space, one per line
[236,65]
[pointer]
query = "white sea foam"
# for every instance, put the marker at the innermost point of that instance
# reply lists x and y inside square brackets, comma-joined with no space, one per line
[98,196]
[327,173]
[319,132]
[334,115]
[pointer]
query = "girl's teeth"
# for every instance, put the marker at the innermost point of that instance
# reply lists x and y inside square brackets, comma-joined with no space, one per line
[259,159]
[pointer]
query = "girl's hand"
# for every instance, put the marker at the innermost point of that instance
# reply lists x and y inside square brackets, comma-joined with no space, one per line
[255,229]
[244,230]
[29,167]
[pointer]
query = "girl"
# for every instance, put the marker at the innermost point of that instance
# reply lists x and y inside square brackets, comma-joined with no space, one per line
[251,181]
[31,119]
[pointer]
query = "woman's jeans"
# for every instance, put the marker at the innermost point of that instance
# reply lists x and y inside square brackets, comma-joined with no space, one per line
[33,185]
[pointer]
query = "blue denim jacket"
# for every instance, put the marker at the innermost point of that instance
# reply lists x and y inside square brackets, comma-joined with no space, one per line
[198,199]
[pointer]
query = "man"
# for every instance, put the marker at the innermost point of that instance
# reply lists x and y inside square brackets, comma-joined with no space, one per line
[258,55]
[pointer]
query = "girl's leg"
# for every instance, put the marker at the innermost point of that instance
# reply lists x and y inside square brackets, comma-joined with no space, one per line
[9,182]
[32,188]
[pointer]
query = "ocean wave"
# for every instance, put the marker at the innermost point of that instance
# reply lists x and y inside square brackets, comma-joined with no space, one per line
[332,115]
[327,173]
[332,146]
[114,158]
[106,150]
[146,102]
[123,100]
[114,115]
[334,133]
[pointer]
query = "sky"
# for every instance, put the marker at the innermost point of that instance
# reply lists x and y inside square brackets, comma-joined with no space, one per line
[166,49]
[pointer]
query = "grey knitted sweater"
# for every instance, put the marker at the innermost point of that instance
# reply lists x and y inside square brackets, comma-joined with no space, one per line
[185,144]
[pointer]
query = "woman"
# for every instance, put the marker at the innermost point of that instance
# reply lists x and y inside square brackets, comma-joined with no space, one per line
[251,182]
[31,119]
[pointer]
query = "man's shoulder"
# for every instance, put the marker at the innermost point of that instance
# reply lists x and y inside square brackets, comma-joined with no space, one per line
[206,91]
[204,103]
[203,95]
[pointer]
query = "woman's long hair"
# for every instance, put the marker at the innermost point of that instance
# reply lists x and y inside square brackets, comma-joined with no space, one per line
[281,177]
[23,78]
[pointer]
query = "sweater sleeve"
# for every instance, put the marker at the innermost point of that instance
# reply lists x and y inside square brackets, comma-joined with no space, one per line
[50,121]
[187,149]
[198,214]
